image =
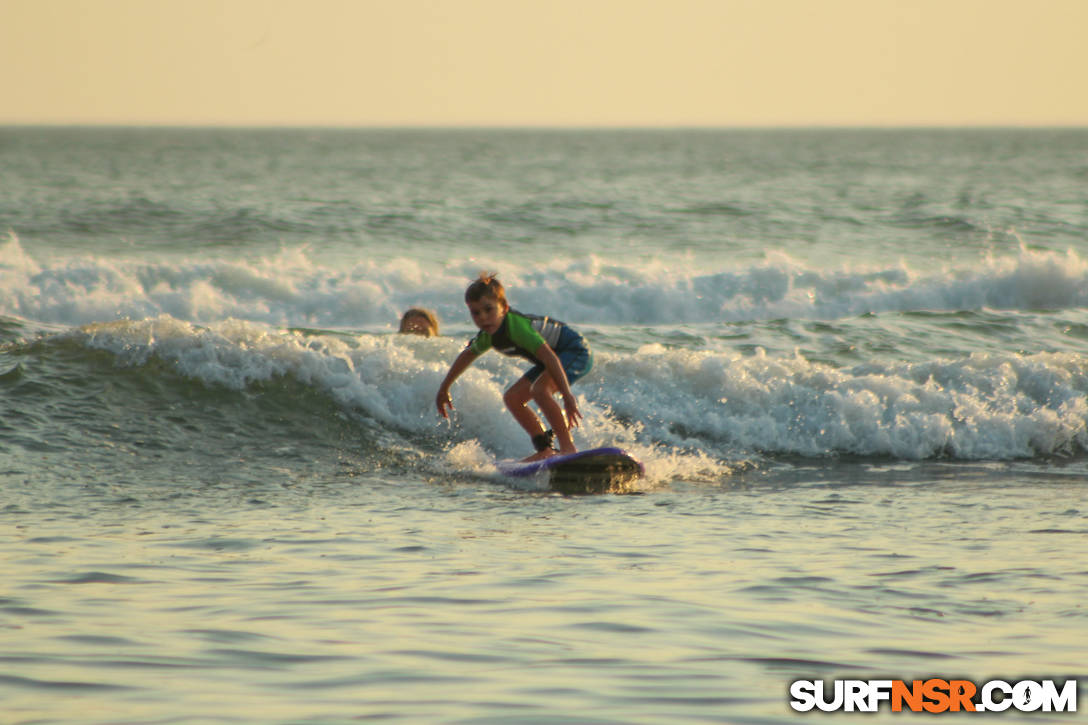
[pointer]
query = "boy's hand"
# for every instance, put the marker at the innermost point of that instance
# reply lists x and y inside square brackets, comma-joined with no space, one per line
[443,401]
[574,416]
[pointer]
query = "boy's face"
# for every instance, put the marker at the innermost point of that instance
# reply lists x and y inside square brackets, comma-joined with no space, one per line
[488,313]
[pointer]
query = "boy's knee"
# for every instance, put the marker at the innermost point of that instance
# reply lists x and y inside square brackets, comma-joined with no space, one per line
[514,398]
[543,388]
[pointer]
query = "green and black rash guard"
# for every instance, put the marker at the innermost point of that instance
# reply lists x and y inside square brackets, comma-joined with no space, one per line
[520,335]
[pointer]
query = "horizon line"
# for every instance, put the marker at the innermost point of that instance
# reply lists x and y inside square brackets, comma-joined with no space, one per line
[539,127]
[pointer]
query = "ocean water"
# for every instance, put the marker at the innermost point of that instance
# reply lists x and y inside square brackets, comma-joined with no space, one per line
[854,362]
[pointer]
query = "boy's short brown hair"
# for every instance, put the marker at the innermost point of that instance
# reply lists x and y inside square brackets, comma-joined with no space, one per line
[486,286]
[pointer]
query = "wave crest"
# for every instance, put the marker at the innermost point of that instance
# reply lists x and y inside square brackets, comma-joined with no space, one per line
[291,290]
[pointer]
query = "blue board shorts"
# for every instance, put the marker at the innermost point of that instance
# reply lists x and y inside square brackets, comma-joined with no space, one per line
[574,355]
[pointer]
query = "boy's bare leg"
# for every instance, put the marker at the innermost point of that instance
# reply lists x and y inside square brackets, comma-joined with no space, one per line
[517,402]
[543,391]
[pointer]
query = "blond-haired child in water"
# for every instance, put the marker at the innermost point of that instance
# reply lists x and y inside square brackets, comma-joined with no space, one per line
[419,321]
[559,356]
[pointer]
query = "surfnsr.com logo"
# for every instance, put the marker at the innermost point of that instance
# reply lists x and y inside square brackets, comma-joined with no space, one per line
[933,695]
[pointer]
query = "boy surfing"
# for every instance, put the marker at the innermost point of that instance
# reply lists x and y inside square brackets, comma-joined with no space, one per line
[559,356]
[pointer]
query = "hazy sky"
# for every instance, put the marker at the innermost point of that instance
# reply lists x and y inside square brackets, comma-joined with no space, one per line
[545,62]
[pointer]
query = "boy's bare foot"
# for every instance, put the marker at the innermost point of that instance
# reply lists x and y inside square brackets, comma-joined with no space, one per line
[541,455]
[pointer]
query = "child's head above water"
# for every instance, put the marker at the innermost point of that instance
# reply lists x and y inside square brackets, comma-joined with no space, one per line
[419,321]
[486,286]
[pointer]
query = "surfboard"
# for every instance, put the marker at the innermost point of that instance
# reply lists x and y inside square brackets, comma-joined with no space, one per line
[596,470]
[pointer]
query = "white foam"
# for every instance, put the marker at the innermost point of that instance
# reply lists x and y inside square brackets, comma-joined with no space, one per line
[290,290]
[688,414]
[980,407]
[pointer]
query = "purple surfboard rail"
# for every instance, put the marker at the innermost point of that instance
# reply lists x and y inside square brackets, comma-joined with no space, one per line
[595,470]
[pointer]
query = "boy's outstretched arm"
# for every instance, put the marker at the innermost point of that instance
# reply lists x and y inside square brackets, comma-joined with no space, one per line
[442,401]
